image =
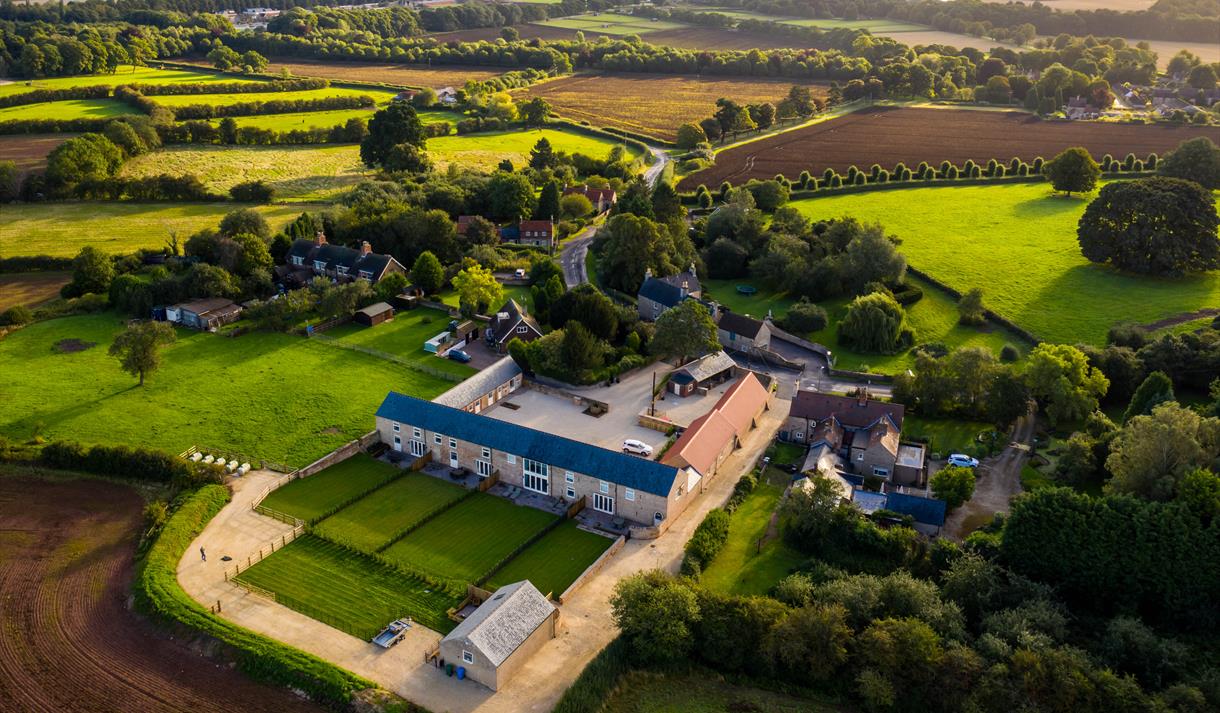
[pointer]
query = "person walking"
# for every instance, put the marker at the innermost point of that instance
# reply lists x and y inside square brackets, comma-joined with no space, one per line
[203,555]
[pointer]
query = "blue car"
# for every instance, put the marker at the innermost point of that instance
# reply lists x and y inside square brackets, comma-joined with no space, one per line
[458,355]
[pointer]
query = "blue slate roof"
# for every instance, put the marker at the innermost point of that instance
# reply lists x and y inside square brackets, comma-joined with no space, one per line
[928,511]
[661,292]
[555,451]
[868,501]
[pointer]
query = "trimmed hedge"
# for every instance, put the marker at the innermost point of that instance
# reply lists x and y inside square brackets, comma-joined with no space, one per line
[158,594]
[280,85]
[273,106]
[126,462]
[39,96]
[34,263]
[706,542]
[57,126]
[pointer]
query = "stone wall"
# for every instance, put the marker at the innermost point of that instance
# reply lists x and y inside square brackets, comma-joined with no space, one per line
[592,569]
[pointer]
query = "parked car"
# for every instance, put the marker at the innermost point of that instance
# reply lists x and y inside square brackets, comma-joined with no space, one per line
[963,460]
[458,355]
[519,273]
[638,448]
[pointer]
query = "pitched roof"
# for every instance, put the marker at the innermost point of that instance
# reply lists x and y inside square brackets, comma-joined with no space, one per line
[206,305]
[337,255]
[537,225]
[556,451]
[707,366]
[731,418]
[504,621]
[468,391]
[849,411]
[504,328]
[742,401]
[688,281]
[928,511]
[593,194]
[661,292]
[375,309]
[739,324]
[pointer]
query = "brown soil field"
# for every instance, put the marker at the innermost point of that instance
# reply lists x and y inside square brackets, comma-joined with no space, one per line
[30,288]
[68,642]
[653,104]
[30,152]
[527,31]
[887,136]
[406,75]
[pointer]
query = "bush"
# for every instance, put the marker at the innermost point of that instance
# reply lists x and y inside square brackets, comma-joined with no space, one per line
[252,192]
[709,537]
[126,462]
[804,317]
[1009,353]
[16,315]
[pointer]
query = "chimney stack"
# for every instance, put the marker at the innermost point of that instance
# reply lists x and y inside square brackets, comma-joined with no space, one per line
[320,238]
[365,248]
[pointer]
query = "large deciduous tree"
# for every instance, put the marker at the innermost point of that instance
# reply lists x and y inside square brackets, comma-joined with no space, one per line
[138,348]
[1060,377]
[875,323]
[1195,160]
[628,245]
[685,331]
[1073,171]
[656,615]
[1155,226]
[396,124]
[1152,453]
[477,288]
[510,196]
[92,271]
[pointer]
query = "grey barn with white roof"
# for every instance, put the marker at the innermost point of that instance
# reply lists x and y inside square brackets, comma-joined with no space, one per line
[485,388]
[498,638]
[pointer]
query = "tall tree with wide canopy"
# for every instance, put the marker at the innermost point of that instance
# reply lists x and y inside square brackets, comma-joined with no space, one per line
[396,124]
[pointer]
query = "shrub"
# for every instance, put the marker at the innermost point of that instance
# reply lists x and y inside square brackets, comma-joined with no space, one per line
[126,462]
[252,192]
[1009,353]
[17,315]
[709,537]
[804,317]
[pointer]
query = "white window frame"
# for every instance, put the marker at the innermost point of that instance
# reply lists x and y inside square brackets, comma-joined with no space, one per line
[523,329]
[569,477]
[603,487]
[603,503]
[397,428]
[452,442]
[629,494]
[798,436]
[416,433]
[298,260]
[319,265]
[438,439]
[535,476]
[571,492]
[467,657]
[486,453]
[418,448]
[881,472]
[483,468]
[397,443]
[860,456]
[366,275]
[510,458]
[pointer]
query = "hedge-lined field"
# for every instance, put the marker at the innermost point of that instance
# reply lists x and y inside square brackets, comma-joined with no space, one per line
[323,580]
[126,74]
[269,395]
[485,151]
[555,561]
[410,75]
[68,109]
[370,522]
[466,541]
[404,336]
[1018,243]
[30,288]
[613,24]
[327,119]
[61,229]
[739,567]
[382,96]
[312,497]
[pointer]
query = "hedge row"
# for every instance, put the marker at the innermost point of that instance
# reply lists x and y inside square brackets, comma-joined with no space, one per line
[126,462]
[39,96]
[603,134]
[273,106]
[54,126]
[204,132]
[642,138]
[706,542]
[164,187]
[34,263]
[280,85]
[991,316]
[158,594]
[589,692]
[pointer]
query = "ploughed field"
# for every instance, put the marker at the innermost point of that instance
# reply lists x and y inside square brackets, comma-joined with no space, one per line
[653,104]
[29,153]
[886,136]
[68,642]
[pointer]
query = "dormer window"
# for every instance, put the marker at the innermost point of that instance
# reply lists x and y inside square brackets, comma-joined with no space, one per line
[319,265]
[298,260]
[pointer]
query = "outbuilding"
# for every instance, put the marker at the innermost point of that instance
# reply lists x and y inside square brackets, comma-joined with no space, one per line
[374,314]
[498,638]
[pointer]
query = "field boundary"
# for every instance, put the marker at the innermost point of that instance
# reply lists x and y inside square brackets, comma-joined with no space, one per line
[559,520]
[271,547]
[592,569]
[1002,321]
[423,369]
[435,513]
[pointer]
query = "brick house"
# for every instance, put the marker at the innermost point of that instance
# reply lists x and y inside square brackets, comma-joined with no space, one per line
[602,199]
[317,258]
[539,233]
[864,433]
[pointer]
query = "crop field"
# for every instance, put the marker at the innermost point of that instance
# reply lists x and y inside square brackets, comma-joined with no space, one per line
[1018,243]
[406,75]
[69,641]
[875,26]
[310,498]
[298,173]
[613,24]
[334,585]
[372,521]
[126,74]
[485,151]
[30,288]
[468,540]
[404,336]
[68,109]
[555,561]
[29,153]
[652,104]
[62,229]
[381,96]
[887,136]
[327,119]
[245,394]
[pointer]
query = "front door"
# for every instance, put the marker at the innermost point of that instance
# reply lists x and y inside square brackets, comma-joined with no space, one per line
[453,459]
[397,443]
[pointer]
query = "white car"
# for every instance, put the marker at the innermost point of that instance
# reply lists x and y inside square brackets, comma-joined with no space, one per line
[638,448]
[963,460]
[519,273]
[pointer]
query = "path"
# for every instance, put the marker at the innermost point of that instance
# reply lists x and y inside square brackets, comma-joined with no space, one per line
[998,483]
[658,167]
[586,624]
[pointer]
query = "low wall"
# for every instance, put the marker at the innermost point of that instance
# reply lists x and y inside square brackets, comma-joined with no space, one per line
[592,569]
[991,316]
[861,376]
[786,336]
[536,382]
[656,423]
[645,532]
[341,453]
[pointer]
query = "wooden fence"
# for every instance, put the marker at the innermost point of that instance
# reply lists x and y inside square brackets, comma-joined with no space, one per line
[278,543]
[228,455]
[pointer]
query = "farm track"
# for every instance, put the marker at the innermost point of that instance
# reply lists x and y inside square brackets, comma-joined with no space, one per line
[888,135]
[68,642]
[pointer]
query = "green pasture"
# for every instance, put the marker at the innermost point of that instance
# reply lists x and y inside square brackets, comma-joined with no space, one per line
[742,566]
[312,497]
[298,173]
[327,119]
[126,74]
[373,520]
[404,336]
[700,692]
[268,395]
[944,435]
[382,96]
[61,229]
[339,587]
[486,150]
[613,24]
[468,540]
[555,561]
[68,109]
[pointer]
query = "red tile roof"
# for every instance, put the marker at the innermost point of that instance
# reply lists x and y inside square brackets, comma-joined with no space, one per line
[537,226]
[730,419]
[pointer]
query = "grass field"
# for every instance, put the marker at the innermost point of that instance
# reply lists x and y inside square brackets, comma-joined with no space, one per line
[613,24]
[268,395]
[944,435]
[30,288]
[126,74]
[62,229]
[68,109]
[371,521]
[381,96]
[1018,243]
[404,336]
[312,497]
[485,151]
[555,561]
[741,567]
[327,582]
[327,119]
[875,26]
[399,74]
[298,173]
[647,692]
[467,541]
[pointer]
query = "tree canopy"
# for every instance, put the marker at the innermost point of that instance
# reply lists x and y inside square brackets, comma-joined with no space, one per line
[1073,171]
[138,348]
[1195,160]
[685,331]
[396,124]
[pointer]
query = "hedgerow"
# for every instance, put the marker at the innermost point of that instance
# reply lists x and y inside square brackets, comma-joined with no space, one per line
[282,85]
[127,462]
[706,542]
[38,96]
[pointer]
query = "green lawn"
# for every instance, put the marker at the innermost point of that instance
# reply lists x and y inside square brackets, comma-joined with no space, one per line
[466,541]
[944,435]
[1034,479]
[786,453]
[404,336]
[268,395]
[381,96]
[486,150]
[1018,243]
[126,74]
[311,498]
[62,229]
[613,24]
[67,109]
[740,568]
[373,520]
[647,692]
[353,593]
[555,561]
[297,173]
[521,293]
[327,119]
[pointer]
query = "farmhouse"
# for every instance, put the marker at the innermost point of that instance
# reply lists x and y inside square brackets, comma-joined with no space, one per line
[710,439]
[658,294]
[539,233]
[496,640]
[511,321]
[206,314]
[864,433]
[485,388]
[374,314]
[742,333]
[702,373]
[309,258]
[601,198]
[447,96]
[644,492]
